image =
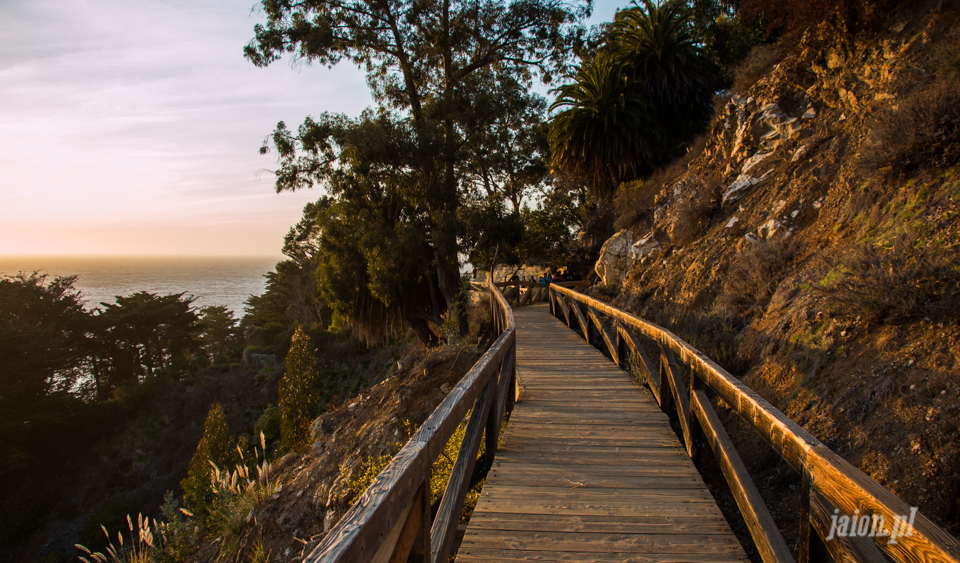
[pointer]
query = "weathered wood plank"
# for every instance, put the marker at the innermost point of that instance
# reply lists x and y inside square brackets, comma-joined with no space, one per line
[589,467]
[839,482]
[605,335]
[367,529]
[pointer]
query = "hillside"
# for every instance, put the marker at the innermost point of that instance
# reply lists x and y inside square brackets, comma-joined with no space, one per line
[809,243]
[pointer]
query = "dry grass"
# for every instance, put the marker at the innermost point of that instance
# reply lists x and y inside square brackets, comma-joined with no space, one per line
[757,64]
[754,277]
[693,214]
[923,132]
[894,285]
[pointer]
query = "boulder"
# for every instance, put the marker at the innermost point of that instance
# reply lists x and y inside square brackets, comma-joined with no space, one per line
[615,257]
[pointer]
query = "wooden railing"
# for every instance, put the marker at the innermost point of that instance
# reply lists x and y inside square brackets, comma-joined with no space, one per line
[391,521]
[831,488]
[520,293]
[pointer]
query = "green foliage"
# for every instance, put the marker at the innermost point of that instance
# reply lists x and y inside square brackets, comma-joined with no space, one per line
[367,472]
[268,426]
[43,339]
[219,333]
[454,126]
[147,334]
[216,449]
[300,392]
[632,106]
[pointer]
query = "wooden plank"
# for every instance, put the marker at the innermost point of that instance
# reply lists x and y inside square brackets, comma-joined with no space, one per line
[763,529]
[831,477]
[844,485]
[645,364]
[413,545]
[589,467]
[594,524]
[841,548]
[584,327]
[468,554]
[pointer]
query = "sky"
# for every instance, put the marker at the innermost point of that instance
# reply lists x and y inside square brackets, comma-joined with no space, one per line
[134,127]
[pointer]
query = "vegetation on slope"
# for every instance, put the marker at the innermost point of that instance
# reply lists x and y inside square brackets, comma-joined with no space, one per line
[809,243]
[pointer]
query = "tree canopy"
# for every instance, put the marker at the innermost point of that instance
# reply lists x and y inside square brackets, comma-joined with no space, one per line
[454,126]
[634,103]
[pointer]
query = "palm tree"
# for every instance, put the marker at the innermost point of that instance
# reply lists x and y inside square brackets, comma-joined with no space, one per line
[665,63]
[632,107]
[605,136]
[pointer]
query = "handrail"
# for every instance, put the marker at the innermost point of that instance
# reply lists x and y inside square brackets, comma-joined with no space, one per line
[535,293]
[831,487]
[391,521]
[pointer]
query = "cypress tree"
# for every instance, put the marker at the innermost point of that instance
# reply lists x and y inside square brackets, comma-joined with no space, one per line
[300,393]
[215,446]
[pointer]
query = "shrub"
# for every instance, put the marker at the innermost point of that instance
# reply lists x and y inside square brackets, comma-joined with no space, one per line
[754,276]
[760,60]
[695,211]
[237,493]
[216,449]
[300,393]
[923,132]
[894,285]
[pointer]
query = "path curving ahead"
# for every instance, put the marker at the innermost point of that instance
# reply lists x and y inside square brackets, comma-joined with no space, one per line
[589,468]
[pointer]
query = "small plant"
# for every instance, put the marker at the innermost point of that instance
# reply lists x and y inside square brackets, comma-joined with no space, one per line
[924,131]
[369,469]
[238,492]
[451,324]
[758,63]
[146,540]
[894,285]
[754,277]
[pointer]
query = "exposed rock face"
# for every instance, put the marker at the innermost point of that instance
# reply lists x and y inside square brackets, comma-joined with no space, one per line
[615,257]
[790,186]
[620,252]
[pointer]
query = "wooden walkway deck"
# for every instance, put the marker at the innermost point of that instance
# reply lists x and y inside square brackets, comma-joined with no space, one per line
[588,468]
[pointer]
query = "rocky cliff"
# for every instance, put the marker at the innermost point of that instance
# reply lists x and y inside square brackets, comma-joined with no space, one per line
[809,244]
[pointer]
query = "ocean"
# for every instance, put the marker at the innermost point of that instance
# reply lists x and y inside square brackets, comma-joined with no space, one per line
[227,281]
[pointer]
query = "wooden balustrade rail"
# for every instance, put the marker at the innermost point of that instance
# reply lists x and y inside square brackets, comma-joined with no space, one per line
[513,291]
[391,521]
[831,487]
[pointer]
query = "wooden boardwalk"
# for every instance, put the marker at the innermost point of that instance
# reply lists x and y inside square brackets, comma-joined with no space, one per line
[589,468]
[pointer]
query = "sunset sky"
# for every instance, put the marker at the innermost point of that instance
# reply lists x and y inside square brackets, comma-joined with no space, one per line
[134,127]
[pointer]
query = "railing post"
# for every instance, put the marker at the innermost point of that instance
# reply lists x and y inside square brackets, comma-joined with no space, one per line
[666,398]
[811,548]
[697,437]
[413,545]
[622,361]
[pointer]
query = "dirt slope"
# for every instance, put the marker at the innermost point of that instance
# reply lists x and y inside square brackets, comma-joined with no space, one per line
[810,246]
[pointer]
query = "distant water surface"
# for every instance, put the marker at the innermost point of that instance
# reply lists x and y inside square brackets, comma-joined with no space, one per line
[225,281]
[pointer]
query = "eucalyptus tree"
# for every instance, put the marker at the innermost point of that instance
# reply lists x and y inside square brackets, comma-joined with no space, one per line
[406,167]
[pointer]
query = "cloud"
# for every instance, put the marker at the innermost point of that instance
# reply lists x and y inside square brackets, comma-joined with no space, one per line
[138,124]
